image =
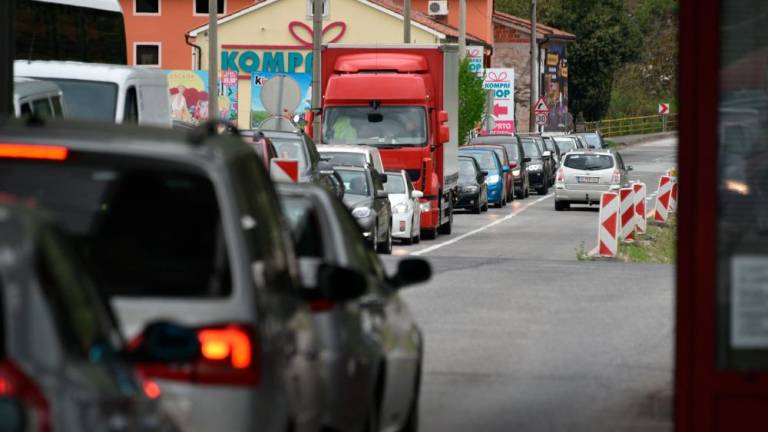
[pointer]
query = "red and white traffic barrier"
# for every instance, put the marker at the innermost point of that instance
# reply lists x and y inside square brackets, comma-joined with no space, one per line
[640,216]
[284,170]
[608,229]
[673,197]
[627,211]
[663,195]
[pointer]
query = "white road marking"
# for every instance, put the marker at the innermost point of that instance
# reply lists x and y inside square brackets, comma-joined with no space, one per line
[482,228]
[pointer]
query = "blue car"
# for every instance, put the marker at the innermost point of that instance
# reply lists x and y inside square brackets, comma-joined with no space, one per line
[489,162]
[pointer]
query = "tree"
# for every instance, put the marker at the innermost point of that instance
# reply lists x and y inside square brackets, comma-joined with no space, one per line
[471,100]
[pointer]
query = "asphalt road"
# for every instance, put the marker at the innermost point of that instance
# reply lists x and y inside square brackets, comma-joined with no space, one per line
[521,336]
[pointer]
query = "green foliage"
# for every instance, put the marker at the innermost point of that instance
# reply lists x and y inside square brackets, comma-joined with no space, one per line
[471,100]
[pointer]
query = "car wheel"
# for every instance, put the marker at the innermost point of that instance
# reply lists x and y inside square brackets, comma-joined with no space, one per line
[417,238]
[412,422]
[478,207]
[562,205]
[386,247]
[543,189]
[527,191]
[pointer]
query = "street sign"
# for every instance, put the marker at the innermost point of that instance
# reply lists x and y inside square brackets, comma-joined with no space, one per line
[280,94]
[664,108]
[501,83]
[284,170]
[541,106]
[541,119]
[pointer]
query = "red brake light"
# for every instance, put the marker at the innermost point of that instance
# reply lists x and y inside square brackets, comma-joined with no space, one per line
[27,151]
[321,305]
[616,177]
[228,356]
[560,175]
[14,383]
[151,389]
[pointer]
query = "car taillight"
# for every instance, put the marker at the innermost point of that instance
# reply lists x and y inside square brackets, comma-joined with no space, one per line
[27,151]
[229,355]
[560,175]
[15,384]
[616,179]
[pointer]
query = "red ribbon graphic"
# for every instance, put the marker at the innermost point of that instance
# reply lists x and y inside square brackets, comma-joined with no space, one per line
[492,77]
[295,25]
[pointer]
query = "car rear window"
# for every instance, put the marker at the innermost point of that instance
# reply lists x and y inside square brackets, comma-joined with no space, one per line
[148,228]
[588,162]
[344,158]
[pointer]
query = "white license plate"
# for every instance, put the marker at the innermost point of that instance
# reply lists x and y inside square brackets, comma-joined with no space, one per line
[588,179]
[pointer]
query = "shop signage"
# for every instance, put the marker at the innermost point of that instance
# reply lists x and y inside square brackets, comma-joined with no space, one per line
[501,81]
[188,93]
[475,56]
[246,59]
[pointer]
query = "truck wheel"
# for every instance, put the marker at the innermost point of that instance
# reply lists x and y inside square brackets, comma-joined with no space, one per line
[448,226]
[543,189]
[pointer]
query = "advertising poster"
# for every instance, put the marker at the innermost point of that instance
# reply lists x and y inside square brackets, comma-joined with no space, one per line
[502,82]
[188,92]
[258,113]
[475,57]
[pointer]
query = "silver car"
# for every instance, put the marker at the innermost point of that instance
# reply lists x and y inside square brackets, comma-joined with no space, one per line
[585,175]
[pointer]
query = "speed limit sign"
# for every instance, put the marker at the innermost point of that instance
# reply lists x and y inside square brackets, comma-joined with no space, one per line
[541,119]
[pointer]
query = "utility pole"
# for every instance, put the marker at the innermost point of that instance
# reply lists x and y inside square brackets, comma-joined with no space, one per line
[462,29]
[213,66]
[534,67]
[317,38]
[7,48]
[407,22]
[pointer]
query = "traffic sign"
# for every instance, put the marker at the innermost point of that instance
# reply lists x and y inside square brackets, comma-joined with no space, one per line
[664,108]
[284,170]
[541,119]
[541,106]
[280,94]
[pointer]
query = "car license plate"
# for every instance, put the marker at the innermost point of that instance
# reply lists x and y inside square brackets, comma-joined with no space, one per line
[588,179]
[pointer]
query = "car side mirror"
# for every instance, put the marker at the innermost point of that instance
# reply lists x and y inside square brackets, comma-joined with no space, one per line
[382,194]
[547,154]
[383,177]
[505,168]
[630,168]
[442,117]
[444,134]
[165,342]
[339,284]
[526,159]
[484,174]
[325,167]
[412,271]
[417,194]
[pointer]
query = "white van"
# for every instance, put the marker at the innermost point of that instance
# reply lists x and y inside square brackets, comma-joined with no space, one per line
[350,154]
[39,98]
[101,92]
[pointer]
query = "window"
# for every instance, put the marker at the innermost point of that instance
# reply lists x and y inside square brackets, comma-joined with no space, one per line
[42,108]
[147,54]
[146,7]
[25,109]
[325,8]
[201,7]
[131,111]
[88,100]
[57,110]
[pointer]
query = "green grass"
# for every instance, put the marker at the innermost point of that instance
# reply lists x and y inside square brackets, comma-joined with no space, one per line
[611,144]
[657,245]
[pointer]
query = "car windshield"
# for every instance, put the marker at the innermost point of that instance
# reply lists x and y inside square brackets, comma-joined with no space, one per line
[388,125]
[588,162]
[148,229]
[530,149]
[565,144]
[355,182]
[593,140]
[290,148]
[467,169]
[485,160]
[88,100]
[344,158]
[395,184]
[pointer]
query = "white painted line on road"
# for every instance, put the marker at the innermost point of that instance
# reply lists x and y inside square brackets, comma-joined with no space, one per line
[482,228]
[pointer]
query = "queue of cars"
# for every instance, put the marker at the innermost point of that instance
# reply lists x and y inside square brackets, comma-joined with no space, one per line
[182,234]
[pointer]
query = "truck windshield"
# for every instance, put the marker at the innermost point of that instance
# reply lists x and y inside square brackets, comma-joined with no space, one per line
[398,125]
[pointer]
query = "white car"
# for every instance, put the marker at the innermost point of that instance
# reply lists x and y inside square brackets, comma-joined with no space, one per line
[586,174]
[352,155]
[404,200]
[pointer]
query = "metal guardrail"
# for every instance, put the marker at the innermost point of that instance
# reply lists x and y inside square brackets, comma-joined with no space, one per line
[631,125]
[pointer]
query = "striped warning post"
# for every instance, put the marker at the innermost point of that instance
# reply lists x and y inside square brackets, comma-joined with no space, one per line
[673,197]
[608,230]
[627,212]
[284,170]
[663,195]
[640,221]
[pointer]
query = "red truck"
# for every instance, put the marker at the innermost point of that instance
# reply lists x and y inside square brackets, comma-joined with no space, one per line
[403,100]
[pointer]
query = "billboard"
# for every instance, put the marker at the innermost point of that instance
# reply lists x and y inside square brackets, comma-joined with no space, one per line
[188,93]
[259,113]
[501,81]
